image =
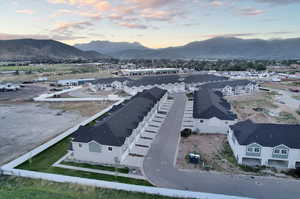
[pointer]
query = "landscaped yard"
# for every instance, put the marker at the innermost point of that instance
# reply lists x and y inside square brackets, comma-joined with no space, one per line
[99,167]
[43,163]
[23,188]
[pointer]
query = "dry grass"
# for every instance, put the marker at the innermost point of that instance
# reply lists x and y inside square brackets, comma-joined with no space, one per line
[85,108]
[244,105]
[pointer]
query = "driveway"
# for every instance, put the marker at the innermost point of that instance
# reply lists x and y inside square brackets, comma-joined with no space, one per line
[159,168]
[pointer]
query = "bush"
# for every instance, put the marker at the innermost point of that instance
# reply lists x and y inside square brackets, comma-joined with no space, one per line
[186,132]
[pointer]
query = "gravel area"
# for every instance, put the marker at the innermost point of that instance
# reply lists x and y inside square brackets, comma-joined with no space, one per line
[26,126]
[24,94]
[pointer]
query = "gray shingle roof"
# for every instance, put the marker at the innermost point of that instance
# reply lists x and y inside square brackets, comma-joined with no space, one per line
[233,83]
[114,129]
[208,104]
[268,135]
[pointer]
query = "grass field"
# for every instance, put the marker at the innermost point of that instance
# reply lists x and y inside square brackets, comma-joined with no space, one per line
[43,163]
[23,188]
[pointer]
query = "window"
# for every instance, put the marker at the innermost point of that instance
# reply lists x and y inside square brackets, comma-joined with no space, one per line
[110,148]
[95,147]
[80,145]
[284,151]
[253,149]
[276,151]
[201,121]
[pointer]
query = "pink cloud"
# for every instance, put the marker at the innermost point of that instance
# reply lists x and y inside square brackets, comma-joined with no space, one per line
[100,5]
[132,25]
[250,11]
[68,27]
[25,11]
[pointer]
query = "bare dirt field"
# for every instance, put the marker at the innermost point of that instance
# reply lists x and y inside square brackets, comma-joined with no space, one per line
[24,94]
[84,108]
[209,146]
[282,85]
[25,126]
[262,108]
[86,92]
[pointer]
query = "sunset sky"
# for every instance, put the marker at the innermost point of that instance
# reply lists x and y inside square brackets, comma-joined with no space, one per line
[154,23]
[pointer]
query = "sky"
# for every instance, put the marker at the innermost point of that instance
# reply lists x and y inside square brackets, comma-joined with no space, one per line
[153,23]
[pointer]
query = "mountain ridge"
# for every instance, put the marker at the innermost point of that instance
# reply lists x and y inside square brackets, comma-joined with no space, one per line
[37,49]
[218,47]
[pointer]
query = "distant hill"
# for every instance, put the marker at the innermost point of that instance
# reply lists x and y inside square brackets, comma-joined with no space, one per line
[220,47]
[107,47]
[31,49]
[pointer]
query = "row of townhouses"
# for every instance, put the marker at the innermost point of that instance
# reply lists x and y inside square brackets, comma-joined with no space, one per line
[112,138]
[171,83]
[274,145]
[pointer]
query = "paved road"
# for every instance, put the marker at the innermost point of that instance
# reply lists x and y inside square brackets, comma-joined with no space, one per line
[159,168]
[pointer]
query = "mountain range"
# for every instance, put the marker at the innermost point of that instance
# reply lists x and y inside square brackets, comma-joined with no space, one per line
[216,48]
[220,47]
[31,49]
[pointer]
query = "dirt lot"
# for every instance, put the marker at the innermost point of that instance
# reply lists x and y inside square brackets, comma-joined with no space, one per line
[86,109]
[216,155]
[25,126]
[282,85]
[86,92]
[270,111]
[205,145]
[24,94]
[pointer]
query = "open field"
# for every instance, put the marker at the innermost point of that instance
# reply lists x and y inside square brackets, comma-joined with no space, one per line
[84,108]
[53,72]
[244,106]
[282,85]
[24,94]
[25,126]
[43,163]
[24,188]
[263,107]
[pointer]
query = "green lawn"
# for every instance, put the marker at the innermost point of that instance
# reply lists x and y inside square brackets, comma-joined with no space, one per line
[100,167]
[43,161]
[23,188]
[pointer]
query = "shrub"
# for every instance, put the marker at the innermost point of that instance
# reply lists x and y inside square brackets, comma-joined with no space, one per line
[186,132]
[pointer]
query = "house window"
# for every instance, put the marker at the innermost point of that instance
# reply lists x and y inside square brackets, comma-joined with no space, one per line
[284,151]
[253,149]
[80,145]
[201,121]
[110,148]
[95,147]
[277,151]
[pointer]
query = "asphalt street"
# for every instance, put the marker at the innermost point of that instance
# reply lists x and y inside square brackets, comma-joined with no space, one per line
[159,168]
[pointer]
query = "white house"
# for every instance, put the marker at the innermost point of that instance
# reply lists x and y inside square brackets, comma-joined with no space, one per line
[210,113]
[113,137]
[236,87]
[149,71]
[74,82]
[274,145]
